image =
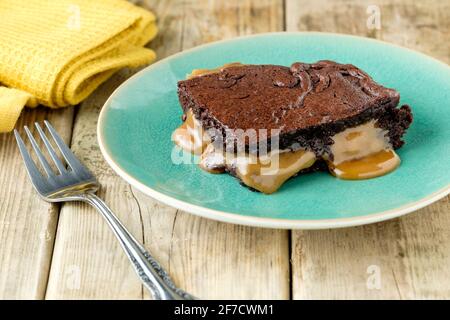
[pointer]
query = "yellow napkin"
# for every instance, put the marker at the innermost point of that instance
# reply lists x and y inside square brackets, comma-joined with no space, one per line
[56,52]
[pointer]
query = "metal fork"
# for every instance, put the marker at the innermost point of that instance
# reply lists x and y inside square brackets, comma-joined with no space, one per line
[77,183]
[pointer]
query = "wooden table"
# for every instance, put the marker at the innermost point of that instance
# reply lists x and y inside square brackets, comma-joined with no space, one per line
[67,251]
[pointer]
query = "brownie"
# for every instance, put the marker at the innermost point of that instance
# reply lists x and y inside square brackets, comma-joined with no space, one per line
[307,103]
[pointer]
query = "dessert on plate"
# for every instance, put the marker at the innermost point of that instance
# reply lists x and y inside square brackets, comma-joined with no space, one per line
[265,124]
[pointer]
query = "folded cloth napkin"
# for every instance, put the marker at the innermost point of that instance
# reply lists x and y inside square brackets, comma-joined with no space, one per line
[56,53]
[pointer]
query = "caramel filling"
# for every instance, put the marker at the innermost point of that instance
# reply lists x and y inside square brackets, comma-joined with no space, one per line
[371,166]
[361,152]
[268,176]
[358,142]
[190,136]
[265,173]
[201,72]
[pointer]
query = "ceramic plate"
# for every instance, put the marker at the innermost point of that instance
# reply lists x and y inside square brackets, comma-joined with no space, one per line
[137,121]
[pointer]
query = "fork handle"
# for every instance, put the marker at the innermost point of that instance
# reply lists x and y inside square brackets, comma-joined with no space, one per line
[153,276]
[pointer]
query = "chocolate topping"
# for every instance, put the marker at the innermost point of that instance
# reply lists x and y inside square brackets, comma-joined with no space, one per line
[278,97]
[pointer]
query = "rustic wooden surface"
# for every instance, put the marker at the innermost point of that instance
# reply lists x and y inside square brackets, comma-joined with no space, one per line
[63,252]
[411,255]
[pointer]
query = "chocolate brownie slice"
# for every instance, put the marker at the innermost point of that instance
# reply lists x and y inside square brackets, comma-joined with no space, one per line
[313,108]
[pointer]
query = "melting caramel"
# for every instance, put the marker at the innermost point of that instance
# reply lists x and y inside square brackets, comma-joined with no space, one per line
[358,142]
[201,72]
[189,136]
[359,153]
[268,176]
[212,161]
[372,166]
[265,174]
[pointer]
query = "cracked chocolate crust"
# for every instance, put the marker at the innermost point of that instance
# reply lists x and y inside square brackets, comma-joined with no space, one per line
[307,103]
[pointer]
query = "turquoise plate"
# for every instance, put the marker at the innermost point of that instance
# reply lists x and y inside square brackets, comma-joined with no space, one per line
[137,121]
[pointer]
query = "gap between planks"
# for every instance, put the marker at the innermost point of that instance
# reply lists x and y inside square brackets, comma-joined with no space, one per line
[208,258]
[409,255]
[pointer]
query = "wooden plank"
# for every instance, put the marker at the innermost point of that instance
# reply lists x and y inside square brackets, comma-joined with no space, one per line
[27,224]
[207,258]
[400,259]
[422,26]
[88,262]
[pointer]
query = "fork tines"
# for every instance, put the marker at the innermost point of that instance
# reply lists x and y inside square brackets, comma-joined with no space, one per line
[74,165]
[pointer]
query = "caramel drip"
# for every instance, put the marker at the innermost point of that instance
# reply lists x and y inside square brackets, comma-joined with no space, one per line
[268,176]
[190,136]
[265,174]
[269,173]
[371,166]
[212,161]
[201,72]
[358,142]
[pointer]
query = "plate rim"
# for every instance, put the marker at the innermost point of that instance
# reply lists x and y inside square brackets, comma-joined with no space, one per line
[250,220]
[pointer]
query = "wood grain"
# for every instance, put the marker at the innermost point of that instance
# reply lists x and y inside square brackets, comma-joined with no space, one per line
[212,259]
[27,224]
[411,254]
[207,258]
[403,258]
[88,262]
